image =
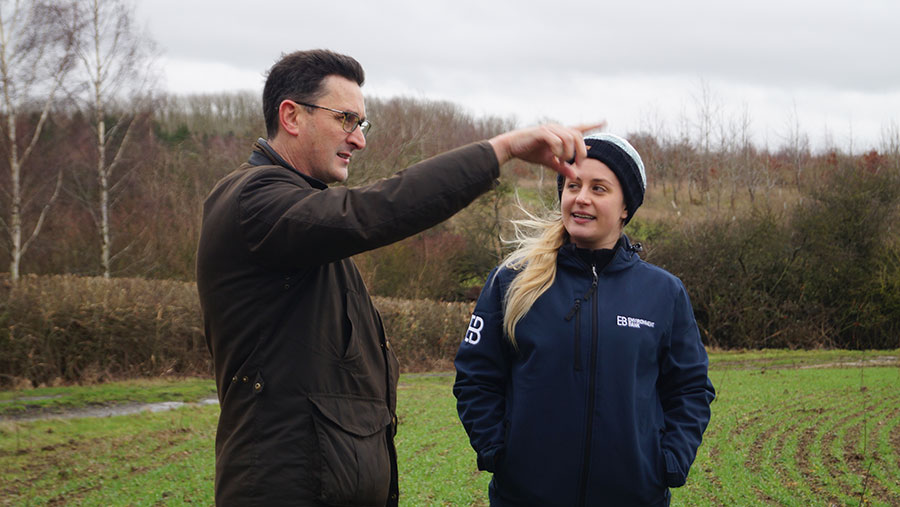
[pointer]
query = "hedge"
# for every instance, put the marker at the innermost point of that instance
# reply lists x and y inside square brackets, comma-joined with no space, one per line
[71,329]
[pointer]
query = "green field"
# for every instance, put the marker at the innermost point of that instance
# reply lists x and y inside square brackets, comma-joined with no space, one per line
[788,428]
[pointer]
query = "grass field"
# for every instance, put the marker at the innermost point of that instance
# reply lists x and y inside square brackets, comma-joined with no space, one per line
[788,428]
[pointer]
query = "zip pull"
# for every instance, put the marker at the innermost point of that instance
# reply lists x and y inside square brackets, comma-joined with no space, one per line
[594,282]
[573,310]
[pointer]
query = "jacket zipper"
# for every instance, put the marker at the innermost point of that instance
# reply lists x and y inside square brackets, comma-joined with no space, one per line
[589,415]
[576,313]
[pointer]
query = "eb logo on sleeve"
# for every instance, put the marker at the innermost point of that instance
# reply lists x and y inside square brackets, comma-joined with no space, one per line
[473,334]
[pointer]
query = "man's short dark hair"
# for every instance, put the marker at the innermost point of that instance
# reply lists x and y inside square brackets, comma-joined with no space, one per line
[299,76]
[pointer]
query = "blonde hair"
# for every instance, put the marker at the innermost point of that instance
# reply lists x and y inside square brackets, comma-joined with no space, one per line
[535,259]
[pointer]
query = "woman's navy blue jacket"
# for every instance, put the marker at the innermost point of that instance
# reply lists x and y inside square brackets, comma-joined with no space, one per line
[606,397]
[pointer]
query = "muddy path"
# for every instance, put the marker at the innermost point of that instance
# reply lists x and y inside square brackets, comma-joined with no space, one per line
[105,410]
[766,363]
[37,413]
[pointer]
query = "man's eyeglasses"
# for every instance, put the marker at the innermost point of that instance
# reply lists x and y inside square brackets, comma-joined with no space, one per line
[349,121]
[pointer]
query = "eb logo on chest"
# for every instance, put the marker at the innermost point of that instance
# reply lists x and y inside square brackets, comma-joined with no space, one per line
[623,321]
[473,334]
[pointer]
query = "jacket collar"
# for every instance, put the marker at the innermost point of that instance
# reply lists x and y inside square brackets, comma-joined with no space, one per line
[624,256]
[263,154]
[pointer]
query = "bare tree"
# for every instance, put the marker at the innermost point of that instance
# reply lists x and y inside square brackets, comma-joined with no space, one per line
[796,145]
[709,114]
[36,50]
[890,144]
[228,113]
[736,154]
[708,120]
[750,175]
[115,60]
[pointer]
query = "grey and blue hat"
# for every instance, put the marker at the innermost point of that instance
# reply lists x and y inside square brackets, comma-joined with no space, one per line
[621,157]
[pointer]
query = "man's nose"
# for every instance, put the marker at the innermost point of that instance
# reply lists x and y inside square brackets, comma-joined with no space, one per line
[357,139]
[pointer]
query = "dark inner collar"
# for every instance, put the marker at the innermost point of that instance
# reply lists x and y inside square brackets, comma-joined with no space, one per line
[598,258]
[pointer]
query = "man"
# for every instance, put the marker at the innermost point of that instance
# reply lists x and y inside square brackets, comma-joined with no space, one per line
[305,375]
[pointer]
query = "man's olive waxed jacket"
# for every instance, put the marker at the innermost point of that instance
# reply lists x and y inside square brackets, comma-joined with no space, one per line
[305,375]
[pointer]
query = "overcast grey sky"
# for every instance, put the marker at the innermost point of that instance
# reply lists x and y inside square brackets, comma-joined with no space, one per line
[828,66]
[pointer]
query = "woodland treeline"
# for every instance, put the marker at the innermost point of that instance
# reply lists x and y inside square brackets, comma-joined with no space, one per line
[102,177]
[776,248]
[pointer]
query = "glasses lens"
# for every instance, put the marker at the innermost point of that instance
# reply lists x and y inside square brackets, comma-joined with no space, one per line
[350,122]
[364,126]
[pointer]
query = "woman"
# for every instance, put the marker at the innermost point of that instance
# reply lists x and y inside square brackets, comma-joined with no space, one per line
[582,379]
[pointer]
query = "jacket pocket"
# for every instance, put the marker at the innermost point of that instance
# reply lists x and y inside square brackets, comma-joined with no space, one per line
[354,460]
[351,355]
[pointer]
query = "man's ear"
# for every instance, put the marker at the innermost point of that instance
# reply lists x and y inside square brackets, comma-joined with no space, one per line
[289,113]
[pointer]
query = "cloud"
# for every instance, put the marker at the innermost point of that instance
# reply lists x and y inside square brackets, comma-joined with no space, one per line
[830,63]
[192,76]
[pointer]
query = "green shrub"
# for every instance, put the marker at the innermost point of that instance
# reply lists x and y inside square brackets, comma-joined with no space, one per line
[823,274]
[742,279]
[850,245]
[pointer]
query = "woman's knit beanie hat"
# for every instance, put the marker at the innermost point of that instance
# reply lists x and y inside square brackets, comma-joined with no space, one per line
[624,161]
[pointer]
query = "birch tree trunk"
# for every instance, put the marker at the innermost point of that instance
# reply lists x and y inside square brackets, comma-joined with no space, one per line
[36,52]
[111,55]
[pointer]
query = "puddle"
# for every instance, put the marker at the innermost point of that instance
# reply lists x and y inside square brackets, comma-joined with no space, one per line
[880,361]
[110,411]
[765,365]
[136,408]
[33,398]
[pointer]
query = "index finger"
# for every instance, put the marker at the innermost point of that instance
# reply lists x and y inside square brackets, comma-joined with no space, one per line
[580,149]
[587,127]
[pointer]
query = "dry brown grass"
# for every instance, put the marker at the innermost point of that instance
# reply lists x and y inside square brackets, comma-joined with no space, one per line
[424,333]
[660,206]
